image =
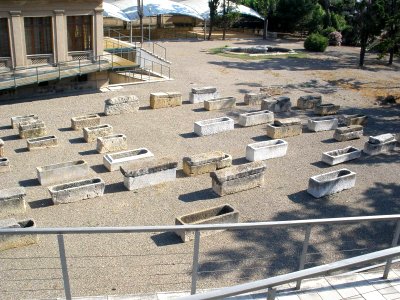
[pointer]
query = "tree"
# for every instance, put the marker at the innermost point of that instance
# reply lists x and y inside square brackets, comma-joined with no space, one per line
[266,8]
[213,5]
[229,15]
[391,38]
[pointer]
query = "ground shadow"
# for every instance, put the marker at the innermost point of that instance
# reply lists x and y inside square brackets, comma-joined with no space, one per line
[188,135]
[88,152]
[12,137]
[330,141]
[5,127]
[166,239]
[261,138]
[21,150]
[180,174]
[206,194]
[99,169]
[65,129]
[199,109]
[117,187]
[41,203]
[29,182]
[320,164]
[239,161]
[145,107]
[79,140]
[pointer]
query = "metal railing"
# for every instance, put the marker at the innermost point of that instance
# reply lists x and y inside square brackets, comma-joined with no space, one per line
[266,226]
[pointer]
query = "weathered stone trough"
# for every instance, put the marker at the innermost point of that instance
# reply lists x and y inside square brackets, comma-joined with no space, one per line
[309,101]
[326,109]
[42,142]
[1,148]
[223,214]
[15,121]
[4,165]
[31,129]
[256,118]
[238,178]
[330,183]
[17,240]
[80,122]
[266,150]
[220,103]
[90,134]
[279,104]
[322,123]
[284,128]
[12,202]
[213,126]
[147,172]
[114,161]
[111,143]
[383,143]
[254,98]
[169,99]
[202,94]
[62,172]
[352,132]
[77,190]
[121,105]
[358,119]
[340,155]
[206,163]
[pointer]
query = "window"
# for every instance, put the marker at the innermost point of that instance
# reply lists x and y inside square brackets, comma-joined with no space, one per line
[38,35]
[80,33]
[4,38]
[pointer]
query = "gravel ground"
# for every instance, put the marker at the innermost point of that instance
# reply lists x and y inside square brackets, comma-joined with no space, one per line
[128,264]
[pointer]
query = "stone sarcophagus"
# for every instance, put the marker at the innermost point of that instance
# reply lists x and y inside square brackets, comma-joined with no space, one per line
[266,150]
[62,172]
[90,134]
[213,126]
[17,240]
[279,104]
[1,148]
[256,118]
[12,202]
[4,165]
[330,183]
[111,143]
[169,99]
[147,172]
[282,128]
[223,214]
[114,161]
[322,124]
[326,109]
[121,105]
[357,119]
[309,101]
[77,190]
[352,132]
[220,103]
[254,98]
[42,142]
[202,94]
[383,143]
[81,122]
[340,155]
[238,178]
[206,163]
[15,121]
[31,129]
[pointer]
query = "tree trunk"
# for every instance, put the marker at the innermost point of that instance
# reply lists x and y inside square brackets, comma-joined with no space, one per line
[210,28]
[223,20]
[362,55]
[391,55]
[265,28]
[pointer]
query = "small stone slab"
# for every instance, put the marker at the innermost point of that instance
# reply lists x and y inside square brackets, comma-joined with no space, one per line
[111,143]
[4,165]
[12,202]
[17,240]
[326,109]
[90,134]
[162,100]
[121,105]
[330,183]
[280,104]
[256,118]
[348,133]
[206,163]
[42,142]
[80,122]
[1,148]
[220,103]
[254,98]
[309,101]
[32,129]
[15,121]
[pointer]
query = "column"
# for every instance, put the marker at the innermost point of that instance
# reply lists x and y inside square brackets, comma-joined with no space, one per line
[18,47]
[60,37]
[98,35]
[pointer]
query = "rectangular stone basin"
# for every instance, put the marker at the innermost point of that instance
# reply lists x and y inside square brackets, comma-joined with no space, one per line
[111,143]
[31,129]
[206,162]
[309,101]
[383,143]
[357,119]
[322,123]
[352,132]
[19,119]
[213,126]
[80,122]
[256,118]
[340,155]
[254,98]
[330,183]
[114,161]
[17,240]
[282,128]
[326,109]
[90,134]
[42,142]
[4,165]
[223,214]
[162,100]
[12,202]
[77,190]
[62,172]
[202,94]
[220,103]
[266,150]
[121,105]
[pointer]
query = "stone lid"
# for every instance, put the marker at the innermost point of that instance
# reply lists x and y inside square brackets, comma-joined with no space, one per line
[310,97]
[204,158]
[240,171]
[348,129]
[9,223]
[148,166]
[204,90]
[381,139]
[12,193]
[287,122]
[121,99]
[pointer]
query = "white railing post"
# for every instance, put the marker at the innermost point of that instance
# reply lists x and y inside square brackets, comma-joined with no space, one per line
[271,294]
[395,241]
[304,253]
[64,267]
[195,266]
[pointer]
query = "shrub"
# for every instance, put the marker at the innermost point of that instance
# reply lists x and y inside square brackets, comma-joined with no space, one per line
[327,31]
[335,38]
[316,42]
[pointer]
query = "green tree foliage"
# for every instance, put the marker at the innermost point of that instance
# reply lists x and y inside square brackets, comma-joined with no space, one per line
[316,42]
[230,15]
[213,5]
[266,8]
[293,15]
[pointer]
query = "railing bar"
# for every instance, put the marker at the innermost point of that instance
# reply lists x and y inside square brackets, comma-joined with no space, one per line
[64,267]
[395,241]
[195,266]
[228,270]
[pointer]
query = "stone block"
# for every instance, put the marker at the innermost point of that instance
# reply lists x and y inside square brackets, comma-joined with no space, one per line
[4,165]
[272,91]
[202,94]
[1,148]
[17,240]
[121,105]
[147,172]
[42,142]
[256,118]
[223,214]
[254,98]
[284,128]
[280,104]
[330,183]
[309,101]
[213,126]
[62,172]
[357,119]
[381,139]
[77,190]
[169,99]
[383,143]
[326,109]
[340,155]
[348,133]
[238,178]
[322,123]
[266,150]
[12,202]
[220,103]
[81,122]
[90,134]
[114,161]
[19,119]
[32,129]
[206,163]
[111,143]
